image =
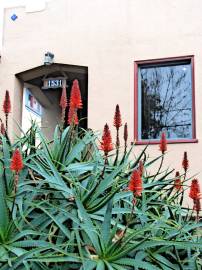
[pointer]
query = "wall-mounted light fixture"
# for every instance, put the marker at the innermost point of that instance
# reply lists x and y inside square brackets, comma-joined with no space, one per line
[48,59]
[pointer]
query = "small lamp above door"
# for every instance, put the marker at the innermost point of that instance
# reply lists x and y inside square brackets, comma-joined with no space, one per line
[48,59]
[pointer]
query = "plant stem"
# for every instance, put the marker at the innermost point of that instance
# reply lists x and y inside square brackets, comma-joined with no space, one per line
[105,163]
[182,197]
[6,123]
[62,119]
[5,181]
[117,146]
[125,148]
[160,166]
[16,177]
[71,135]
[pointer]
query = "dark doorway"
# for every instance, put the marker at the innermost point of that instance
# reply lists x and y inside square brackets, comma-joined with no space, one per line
[49,96]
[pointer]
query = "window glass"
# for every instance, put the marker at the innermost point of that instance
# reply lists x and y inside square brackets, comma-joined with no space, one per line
[165,100]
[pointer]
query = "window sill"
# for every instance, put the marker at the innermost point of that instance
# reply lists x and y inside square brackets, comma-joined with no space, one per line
[168,141]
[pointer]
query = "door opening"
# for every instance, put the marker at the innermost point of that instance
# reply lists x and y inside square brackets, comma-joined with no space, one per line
[44,85]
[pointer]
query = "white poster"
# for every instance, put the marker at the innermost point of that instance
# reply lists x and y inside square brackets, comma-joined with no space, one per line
[32,110]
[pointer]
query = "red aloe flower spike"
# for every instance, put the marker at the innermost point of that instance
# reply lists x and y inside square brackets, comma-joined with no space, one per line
[135,184]
[194,192]
[117,118]
[141,168]
[163,143]
[63,99]
[125,134]
[63,104]
[7,103]
[177,183]
[185,162]
[106,143]
[16,161]
[75,98]
[7,107]
[117,124]
[72,116]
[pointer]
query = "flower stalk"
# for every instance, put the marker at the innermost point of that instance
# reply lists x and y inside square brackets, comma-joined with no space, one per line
[185,166]
[163,149]
[75,104]
[106,145]
[7,107]
[125,137]
[63,105]
[178,183]
[117,125]
[194,194]
[16,166]
[136,186]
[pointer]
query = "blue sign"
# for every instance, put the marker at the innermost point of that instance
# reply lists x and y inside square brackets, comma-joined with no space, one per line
[14,17]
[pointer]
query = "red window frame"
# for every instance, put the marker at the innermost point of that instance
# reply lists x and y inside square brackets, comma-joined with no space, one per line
[157,61]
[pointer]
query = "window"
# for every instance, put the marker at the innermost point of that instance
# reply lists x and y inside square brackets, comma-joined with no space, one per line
[164,100]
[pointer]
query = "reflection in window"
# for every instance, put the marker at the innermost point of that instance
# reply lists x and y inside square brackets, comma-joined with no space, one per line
[165,95]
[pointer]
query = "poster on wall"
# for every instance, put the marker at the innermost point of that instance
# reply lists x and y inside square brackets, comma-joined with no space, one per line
[31,110]
[32,104]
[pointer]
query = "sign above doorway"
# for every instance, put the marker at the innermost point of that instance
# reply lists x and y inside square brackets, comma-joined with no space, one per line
[57,82]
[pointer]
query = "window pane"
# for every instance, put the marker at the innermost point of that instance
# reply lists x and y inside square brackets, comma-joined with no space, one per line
[166,101]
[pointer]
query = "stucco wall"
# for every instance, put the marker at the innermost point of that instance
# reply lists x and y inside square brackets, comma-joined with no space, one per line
[107,36]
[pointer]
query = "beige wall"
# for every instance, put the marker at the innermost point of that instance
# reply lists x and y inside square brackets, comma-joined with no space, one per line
[107,36]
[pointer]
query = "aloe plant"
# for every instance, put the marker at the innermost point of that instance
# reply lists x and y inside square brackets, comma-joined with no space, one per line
[72,209]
